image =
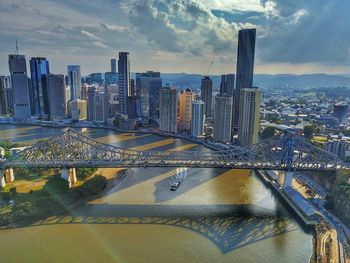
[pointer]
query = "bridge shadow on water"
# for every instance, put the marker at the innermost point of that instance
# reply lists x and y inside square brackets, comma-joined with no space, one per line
[221,224]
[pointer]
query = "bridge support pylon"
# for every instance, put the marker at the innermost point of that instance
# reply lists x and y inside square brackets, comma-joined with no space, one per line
[6,176]
[70,175]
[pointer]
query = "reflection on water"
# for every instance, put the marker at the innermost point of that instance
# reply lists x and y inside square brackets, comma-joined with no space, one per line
[216,215]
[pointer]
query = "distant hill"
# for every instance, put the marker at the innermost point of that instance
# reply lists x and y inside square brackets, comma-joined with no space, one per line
[183,80]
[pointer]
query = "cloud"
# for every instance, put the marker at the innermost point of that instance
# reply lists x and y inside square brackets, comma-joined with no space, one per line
[89,35]
[154,25]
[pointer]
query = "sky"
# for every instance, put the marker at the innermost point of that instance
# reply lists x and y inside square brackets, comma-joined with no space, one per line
[293,36]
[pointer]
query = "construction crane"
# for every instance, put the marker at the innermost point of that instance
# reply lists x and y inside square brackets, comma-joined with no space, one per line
[210,66]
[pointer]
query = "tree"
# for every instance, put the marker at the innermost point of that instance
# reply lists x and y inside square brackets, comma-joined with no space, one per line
[56,186]
[310,130]
[93,186]
[84,173]
[13,191]
[268,132]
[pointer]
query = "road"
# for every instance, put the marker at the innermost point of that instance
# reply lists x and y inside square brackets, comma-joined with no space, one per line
[343,231]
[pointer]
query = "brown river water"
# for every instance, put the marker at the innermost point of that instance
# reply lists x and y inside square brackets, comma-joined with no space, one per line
[217,215]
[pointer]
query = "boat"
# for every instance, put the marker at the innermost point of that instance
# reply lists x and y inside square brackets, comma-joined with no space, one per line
[175,186]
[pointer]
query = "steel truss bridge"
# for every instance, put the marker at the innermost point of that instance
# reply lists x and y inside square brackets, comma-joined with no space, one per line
[73,149]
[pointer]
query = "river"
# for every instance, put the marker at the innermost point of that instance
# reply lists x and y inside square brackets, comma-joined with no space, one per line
[216,215]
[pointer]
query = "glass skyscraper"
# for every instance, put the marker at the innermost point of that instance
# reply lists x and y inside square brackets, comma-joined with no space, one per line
[39,69]
[245,67]
[19,81]
[74,81]
[123,80]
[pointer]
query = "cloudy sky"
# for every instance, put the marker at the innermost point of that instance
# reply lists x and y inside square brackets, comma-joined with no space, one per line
[293,36]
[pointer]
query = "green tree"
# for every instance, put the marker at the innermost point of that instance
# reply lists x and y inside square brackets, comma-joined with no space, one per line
[56,186]
[310,130]
[13,191]
[93,186]
[268,132]
[84,173]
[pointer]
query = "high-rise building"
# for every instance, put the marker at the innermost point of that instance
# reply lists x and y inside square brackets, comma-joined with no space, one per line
[340,111]
[56,89]
[249,116]
[111,78]
[4,104]
[74,81]
[78,110]
[123,80]
[168,109]
[223,118]
[113,65]
[198,118]
[245,67]
[148,86]
[97,106]
[207,95]
[19,81]
[39,69]
[227,85]
[185,110]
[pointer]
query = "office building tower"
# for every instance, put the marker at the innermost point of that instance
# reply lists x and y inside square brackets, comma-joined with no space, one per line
[245,67]
[148,86]
[97,106]
[123,80]
[185,110]
[56,89]
[111,78]
[340,111]
[249,116]
[4,105]
[9,93]
[207,95]
[39,69]
[74,81]
[227,85]
[168,109]
[113,65]
[223,118]
[20,83]
[198,118]
[78,110]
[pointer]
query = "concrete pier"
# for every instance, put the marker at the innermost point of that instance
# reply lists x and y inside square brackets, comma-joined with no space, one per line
[285,179]
[6,176]
[70,175]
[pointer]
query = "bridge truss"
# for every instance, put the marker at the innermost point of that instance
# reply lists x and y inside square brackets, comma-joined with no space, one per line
[73,149]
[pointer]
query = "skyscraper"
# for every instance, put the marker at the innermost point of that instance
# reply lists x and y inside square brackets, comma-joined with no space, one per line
[207,95]
[97,105]
[78,110]
[39,69]
[198,118]
[113,65]
[223,118]
[4,107]
[148,86]
[56,89]
[74,81]
[19,80]
[168,109]
[123,80]
[185,110]
[227,85]
[249,116]
[340,111]
[245,67]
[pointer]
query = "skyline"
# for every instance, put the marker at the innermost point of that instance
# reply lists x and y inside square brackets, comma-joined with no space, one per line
[177,36]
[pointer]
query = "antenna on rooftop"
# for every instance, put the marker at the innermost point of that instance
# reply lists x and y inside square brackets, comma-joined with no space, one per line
[16,46]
